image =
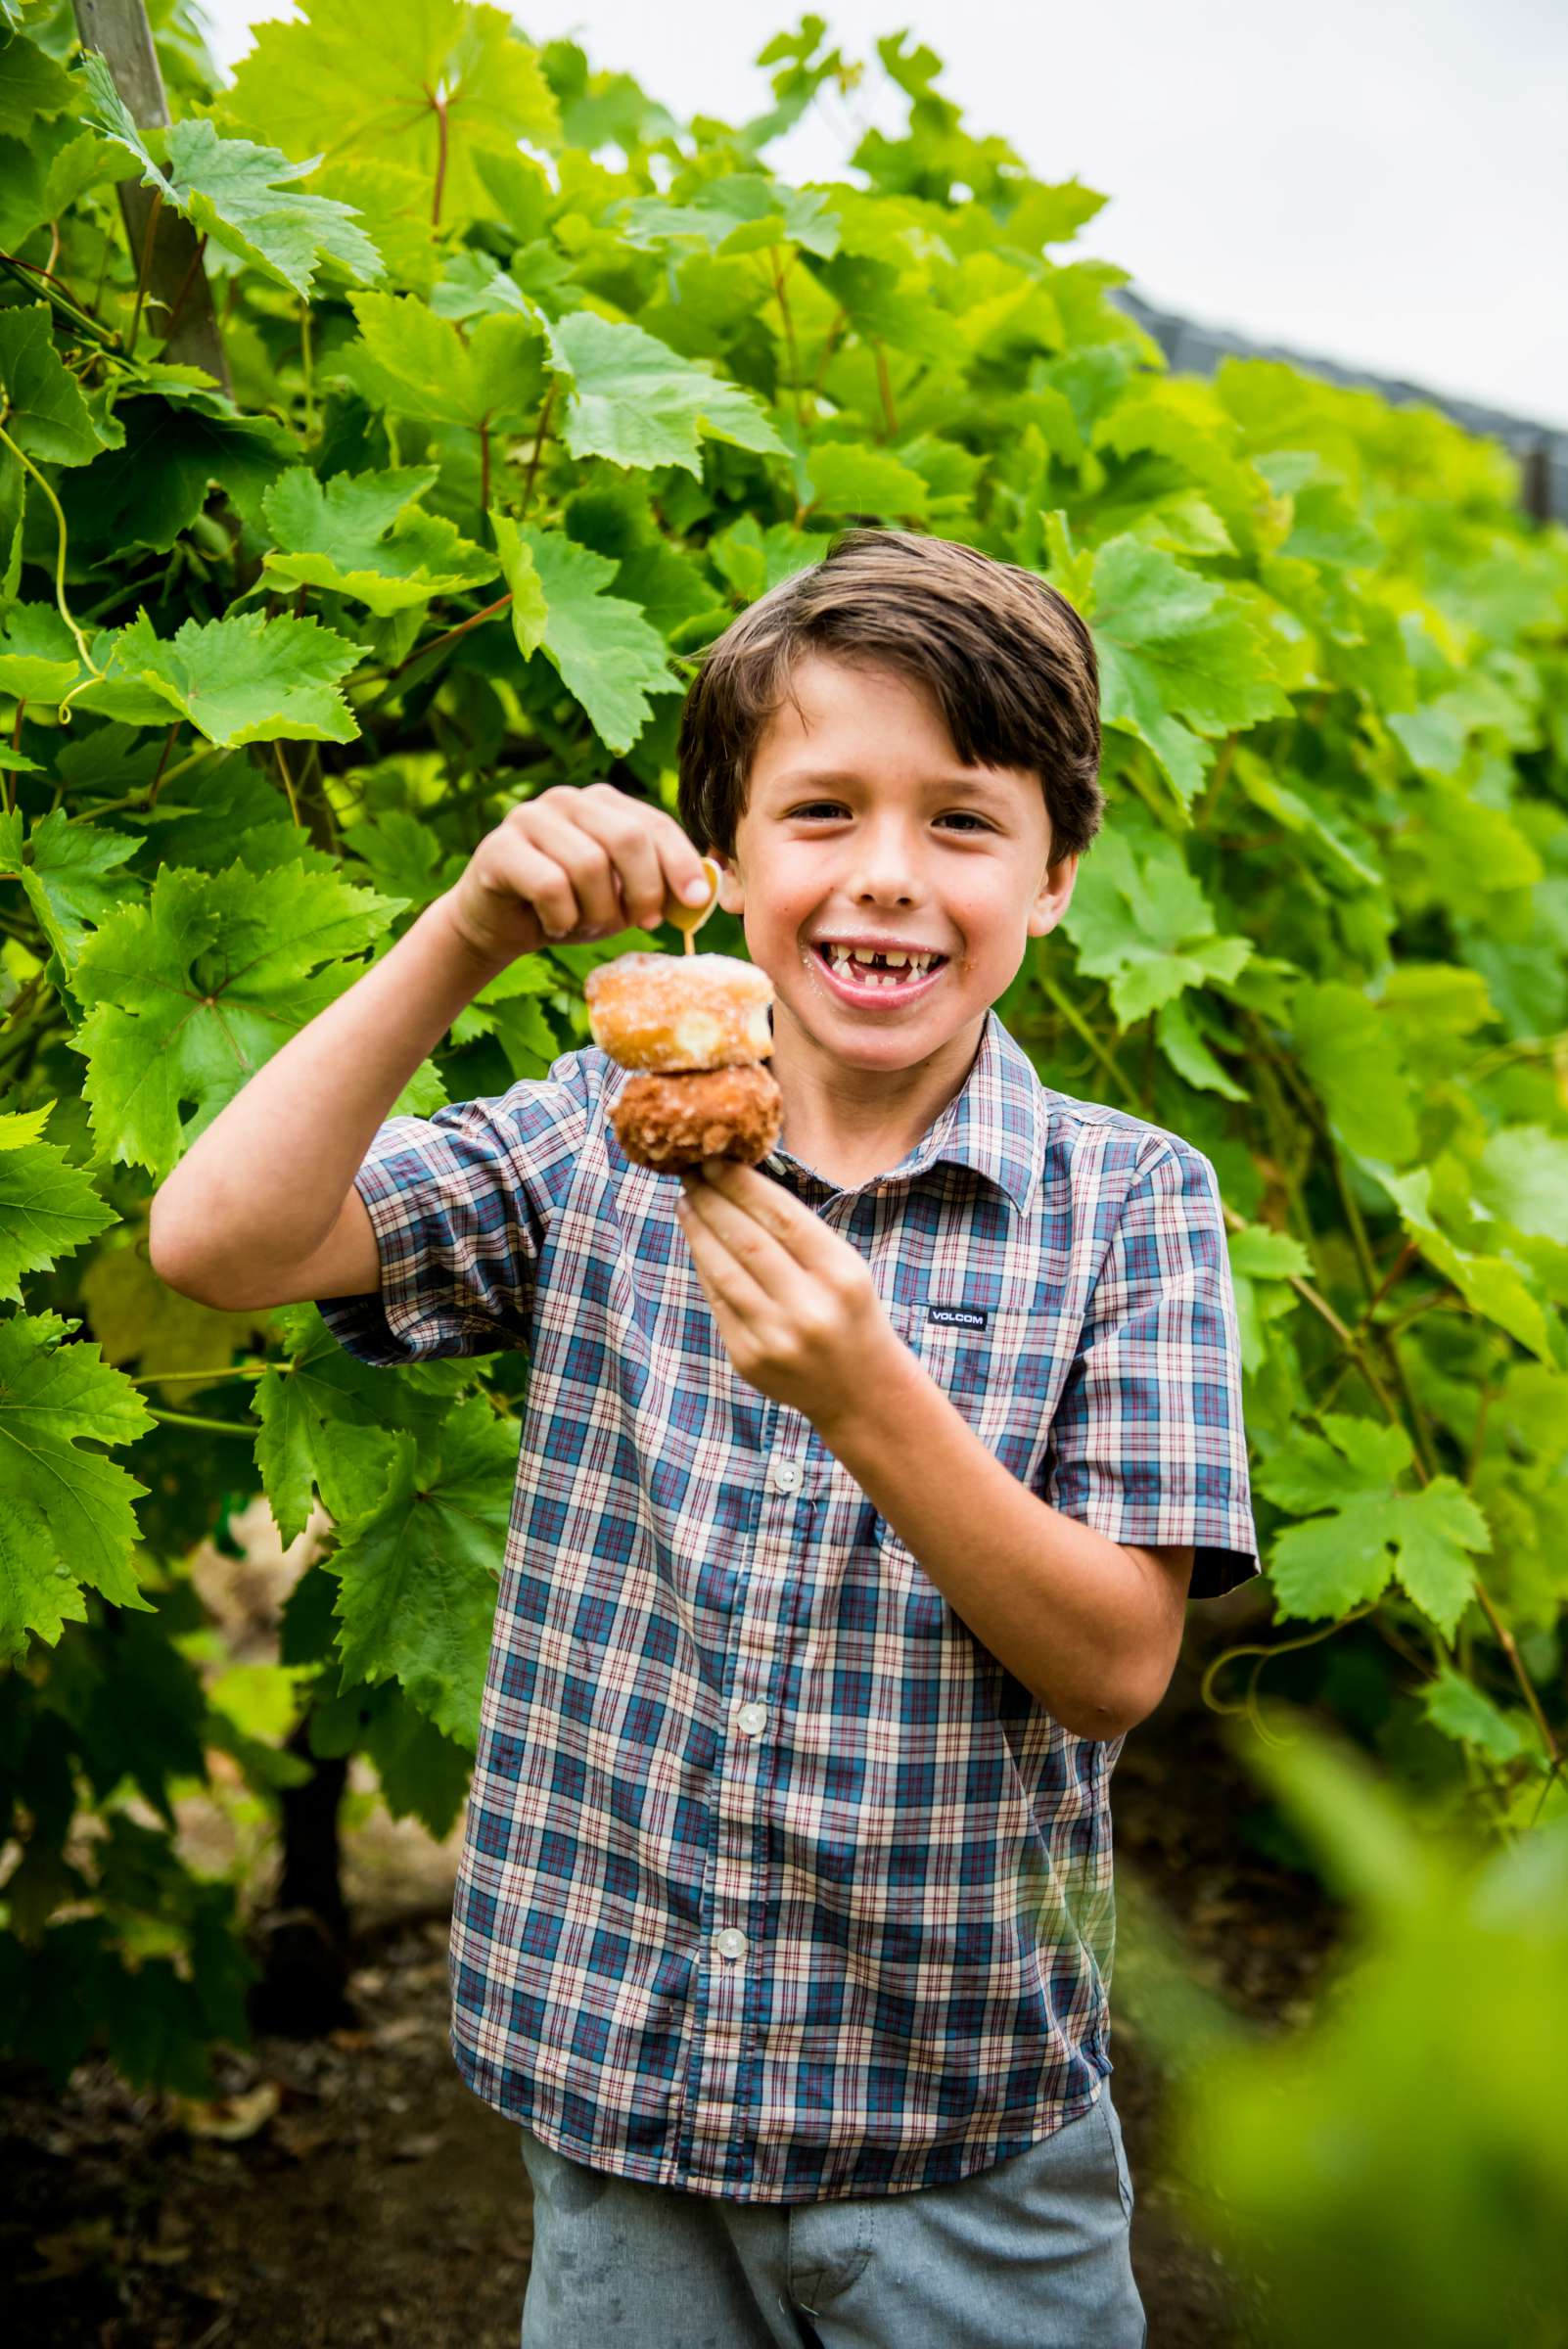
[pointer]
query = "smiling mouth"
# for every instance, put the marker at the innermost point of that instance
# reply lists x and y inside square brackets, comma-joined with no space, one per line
[877,980]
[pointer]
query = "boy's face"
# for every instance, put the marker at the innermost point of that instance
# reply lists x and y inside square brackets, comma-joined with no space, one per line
[862,823]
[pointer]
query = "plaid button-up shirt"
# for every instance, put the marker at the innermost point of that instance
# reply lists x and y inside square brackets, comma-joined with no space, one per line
[775,1883]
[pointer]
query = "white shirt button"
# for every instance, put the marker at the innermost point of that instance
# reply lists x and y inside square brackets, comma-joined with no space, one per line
[786,1475]
[751,1718]
[731,1943]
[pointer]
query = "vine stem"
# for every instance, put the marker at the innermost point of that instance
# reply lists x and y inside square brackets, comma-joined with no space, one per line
[1265,1652]
[885,388]
[214,1427]
[153,211]
[305,368]
[1217,783]
[60,301]
[288,782]
[61,543]
[1081,1026]
[191,267]
[541,430]
[440,106]
[139,799]
[103,271]
[168,745]
[788,317]
[19,1003]
[1505,1640]
[829,345]
[437,643]
[6,788]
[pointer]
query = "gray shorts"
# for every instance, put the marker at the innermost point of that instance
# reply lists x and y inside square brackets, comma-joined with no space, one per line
[1032,2253]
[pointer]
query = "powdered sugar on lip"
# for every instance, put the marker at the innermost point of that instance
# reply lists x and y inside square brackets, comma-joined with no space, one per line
[876,996]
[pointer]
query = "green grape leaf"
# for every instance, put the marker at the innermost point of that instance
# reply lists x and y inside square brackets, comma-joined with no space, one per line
[153,488]
[48,1207]
[1262,1262]
[1260,1253]
[238,193]
[363,536]
[62,867]
[420,1570]
[1186,1048]
[1492,1284]
[1139,920]
[1351,1052]
[1179,659]
[393,203]
[639,403]
[1523,1180]
[46,170]
[412,363]
[14,481]
[41,406]
[33,86]
[1341,1560]
[852,478]
[1181,421]
[326,1420]
[751,560]
[430,85]
[239,680]
[189,994]
[1467,1715]
[528,610]
[420,1774]
[604,649]
[66,1516]
[38,659]
[744,211]
[1434,1006]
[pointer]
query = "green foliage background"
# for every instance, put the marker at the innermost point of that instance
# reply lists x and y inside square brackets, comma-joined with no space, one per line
[534,386]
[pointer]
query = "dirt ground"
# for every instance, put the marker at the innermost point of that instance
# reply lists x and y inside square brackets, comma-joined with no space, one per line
[352,2191]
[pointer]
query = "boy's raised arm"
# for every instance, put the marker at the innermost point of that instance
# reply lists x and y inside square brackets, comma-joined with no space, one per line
[258,1195]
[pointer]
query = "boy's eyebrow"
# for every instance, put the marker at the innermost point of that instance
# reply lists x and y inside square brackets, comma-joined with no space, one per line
[981,785]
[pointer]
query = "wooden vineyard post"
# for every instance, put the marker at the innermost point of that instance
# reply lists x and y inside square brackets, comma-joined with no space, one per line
[175,277]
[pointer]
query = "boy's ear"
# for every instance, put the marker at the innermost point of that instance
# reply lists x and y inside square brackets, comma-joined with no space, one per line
[731,895]
[1054,897]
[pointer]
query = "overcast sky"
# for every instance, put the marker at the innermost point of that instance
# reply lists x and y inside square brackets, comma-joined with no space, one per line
[1384,185]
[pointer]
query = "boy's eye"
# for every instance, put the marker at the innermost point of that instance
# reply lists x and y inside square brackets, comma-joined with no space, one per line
[835,807]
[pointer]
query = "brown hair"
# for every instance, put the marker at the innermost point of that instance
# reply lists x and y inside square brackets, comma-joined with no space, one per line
[1010,663]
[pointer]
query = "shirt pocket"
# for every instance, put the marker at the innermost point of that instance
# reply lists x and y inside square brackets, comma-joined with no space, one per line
[1000,1377]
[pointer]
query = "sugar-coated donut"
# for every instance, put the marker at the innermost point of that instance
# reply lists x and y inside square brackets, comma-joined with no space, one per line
[674,1121]
[679,1011]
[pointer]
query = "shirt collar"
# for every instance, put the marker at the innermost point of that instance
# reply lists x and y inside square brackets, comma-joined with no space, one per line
[995,1124]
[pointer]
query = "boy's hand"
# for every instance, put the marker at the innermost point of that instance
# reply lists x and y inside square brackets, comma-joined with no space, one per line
[575,863]
[796,1303]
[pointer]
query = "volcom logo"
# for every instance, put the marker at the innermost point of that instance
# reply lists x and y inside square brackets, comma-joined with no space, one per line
[966,1316]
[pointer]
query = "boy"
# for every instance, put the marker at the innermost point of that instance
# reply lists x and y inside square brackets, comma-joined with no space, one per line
[859,1497]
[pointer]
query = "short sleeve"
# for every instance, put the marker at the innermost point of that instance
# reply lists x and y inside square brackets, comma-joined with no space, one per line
[460,1203]
[1148,1442]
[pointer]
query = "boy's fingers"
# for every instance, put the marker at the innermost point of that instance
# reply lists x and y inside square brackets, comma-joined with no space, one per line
[790,1223]
[585,859]
[538,881]
[621,824]
[756,1242]
[741,1285]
